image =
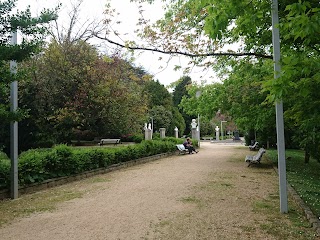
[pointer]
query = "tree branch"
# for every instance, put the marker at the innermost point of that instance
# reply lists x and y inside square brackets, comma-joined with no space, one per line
[257,55]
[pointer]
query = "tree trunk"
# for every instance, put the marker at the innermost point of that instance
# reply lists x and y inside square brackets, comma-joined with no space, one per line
[306,156]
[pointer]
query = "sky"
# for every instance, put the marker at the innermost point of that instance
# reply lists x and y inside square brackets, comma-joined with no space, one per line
[93,10]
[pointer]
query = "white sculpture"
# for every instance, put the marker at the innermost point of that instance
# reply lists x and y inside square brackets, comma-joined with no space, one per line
[193,123]
[149,126]
[217,133]
[176,130]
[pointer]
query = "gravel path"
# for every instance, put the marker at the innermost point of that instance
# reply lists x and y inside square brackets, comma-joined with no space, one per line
[201,196]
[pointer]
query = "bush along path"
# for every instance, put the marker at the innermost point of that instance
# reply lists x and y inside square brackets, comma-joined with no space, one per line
[39,165]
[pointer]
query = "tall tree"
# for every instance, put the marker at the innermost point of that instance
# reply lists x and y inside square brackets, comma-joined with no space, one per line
[180,89]
[33,31]
[78,93]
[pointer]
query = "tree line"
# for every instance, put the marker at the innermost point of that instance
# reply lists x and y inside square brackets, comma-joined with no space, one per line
[201,28]
[92,95]
[69,90]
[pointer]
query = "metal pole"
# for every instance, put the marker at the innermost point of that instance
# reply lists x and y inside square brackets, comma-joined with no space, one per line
[222,133]
[198,94]
[152,123]
[199,130]
[279,111]
[14,127]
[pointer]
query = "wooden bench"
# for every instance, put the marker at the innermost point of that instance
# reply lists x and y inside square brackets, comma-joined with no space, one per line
[109,141]
[182,149]
[207,138]
[255,158]
[254,146]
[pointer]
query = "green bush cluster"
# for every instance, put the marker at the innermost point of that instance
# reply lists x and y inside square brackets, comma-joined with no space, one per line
[137,138]
[38,165]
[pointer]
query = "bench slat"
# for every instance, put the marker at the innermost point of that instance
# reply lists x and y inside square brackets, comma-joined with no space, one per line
[182,149]
[107,140]
[255,158]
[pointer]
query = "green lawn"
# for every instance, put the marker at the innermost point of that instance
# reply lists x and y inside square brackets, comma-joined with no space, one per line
[304,178]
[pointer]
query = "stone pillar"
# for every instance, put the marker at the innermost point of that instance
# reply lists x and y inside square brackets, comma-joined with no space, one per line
[145,128]
[176,132]
[162,132]
[150,131]
[194,132]
[217,133]
[147,132]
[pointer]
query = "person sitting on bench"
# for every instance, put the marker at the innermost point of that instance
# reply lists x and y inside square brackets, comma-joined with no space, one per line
[188,145]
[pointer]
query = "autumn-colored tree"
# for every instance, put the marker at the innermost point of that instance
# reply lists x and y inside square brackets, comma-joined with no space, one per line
[78,94]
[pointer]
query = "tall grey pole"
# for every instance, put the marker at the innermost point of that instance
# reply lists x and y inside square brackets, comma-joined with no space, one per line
[152,123]
[14,127]
[222,132]
[279,112]
[198,130]
[198,94]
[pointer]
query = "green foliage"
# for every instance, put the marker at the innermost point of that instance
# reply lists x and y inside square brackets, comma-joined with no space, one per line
[177,121]
[57,161]
[38,165]
[137,138]
[32,167]
[181,89]
[304,178]
[158,94]
[4,173]
[162,117]
[201,28]
[33,31]
[73,93]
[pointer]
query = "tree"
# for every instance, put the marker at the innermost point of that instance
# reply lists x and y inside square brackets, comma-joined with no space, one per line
[161,108]
[199,28]
[77,94]
[158,94]
[73,30]
[180,89]
[33,31]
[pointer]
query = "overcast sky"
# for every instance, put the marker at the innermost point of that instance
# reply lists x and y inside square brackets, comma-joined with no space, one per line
[93,9]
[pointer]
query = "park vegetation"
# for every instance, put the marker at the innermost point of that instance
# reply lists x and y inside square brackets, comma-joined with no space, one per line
[199,29]
[38,165]
[69,90]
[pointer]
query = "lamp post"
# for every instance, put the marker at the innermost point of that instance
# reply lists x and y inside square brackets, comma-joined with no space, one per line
[14,127]
[152,123]
[279,111]
[222,129]
[198,94]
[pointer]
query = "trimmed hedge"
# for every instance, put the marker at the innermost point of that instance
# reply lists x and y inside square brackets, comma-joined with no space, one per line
[38,165]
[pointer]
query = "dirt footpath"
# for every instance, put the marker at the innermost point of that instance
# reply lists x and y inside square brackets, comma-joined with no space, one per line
[209,195]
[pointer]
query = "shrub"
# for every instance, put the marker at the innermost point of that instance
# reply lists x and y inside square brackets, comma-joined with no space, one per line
[4,173]
[59,162]
[31,167]
[3,156]
[38,165]
[138,138]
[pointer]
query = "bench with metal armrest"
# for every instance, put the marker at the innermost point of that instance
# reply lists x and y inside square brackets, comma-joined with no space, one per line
[255,158]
